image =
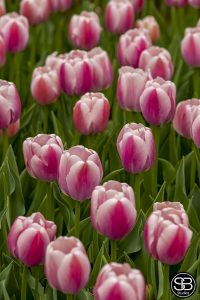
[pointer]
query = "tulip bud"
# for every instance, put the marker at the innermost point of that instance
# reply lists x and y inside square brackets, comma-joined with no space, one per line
[130,85]
[2,8]
[80,172]
[60,5]
[119,281]
[157,61]
[177,3]
[15,30]
[194,3]
[173,240]
[85,30]
[45,86]
[102,69]
[119,16]
[113,212]
[186,113]
[2,51]
[55,60]
[67,266]
[190,45]
[151,25]
[36,11]
[91,113]
[130,46]
[42,156]
[29,237]
[137,4]
[158,101]
[10,104]
[136,148]
[76,73]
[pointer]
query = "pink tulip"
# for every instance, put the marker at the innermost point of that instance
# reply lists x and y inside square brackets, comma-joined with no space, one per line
[42,156]
[186,113]
[131,83]
[166,233]
[118,281]
[176,2]
[102,69]
[2,51]
[157,61]
[29,237]
[85,30]
[67,266]
[194,3]
[2,7]
[15,30]
[12,129]
[196,131]
[80,172]
[190,46]
[137,4]
[55,60]
[60,5]
[76,73]
[158,101]
[151,25]
[119,16]
[113,212]
[136,148]
[91,113]
[130,46]
[36,11]
[45,86]
[10,104]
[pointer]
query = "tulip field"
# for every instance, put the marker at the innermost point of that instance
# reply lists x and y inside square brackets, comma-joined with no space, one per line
[99,149]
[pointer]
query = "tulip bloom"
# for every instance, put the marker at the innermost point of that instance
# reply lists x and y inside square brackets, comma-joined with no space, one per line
[85,30]
[113,212]
[151,25]
[55,60]
[10,104]
[173,240]
[42,156]
[130,47]
[2,8]
[119,16]
[2,51]
[15,30]
[158,62]
[136,148]
[29,237]
[186,113]
[130,85]
[190,47]
[91,113]
[137,4]
[119,281]
[67,266]
[178,3]
[36,11]
[194,3]
[60,5]
[158,101]
[79,172]
[45,86]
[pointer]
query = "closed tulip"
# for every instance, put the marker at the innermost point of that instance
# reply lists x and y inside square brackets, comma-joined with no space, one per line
[67,266]
[151,25]
[131,45]
[60,5]
[119,16]
[80,172]
[55,60]
[190,45]
[173,240]
[194,3]
[186,113]
[28,238]
[36,11]
[15,30]
[178,3]
[158,101]
[91,113]
[10,104]
[42,156]
[130,85]
[45,86]
[119,281]
[113,212]
[137,5]
[2,51]
[84,30]
[157,61]
[136,148]
[2,7]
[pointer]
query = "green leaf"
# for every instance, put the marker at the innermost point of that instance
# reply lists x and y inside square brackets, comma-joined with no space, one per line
[97,266]
[180,191]
[168,169]
[191,255]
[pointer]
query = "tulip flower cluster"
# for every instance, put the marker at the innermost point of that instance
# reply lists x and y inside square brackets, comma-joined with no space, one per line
[182,3]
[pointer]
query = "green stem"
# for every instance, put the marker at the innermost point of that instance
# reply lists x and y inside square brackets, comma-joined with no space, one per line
[156,133]
[137,191]
[24,283]
[50,201]
[77,219]
[113,244]
[37,272]
[45,124]
[5,144]
[193,169]
[166,283]
[69,297]
[95,245]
